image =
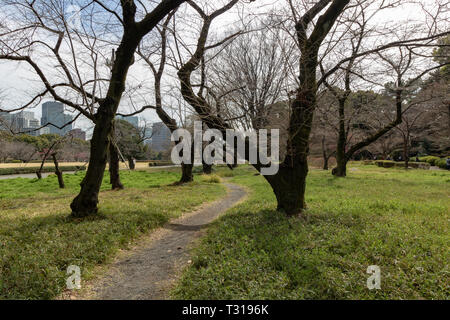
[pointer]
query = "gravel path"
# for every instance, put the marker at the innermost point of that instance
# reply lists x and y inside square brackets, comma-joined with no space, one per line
[149,271]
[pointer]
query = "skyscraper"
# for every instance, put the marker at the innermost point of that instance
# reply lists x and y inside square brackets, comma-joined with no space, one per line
[161,137]
[53,115]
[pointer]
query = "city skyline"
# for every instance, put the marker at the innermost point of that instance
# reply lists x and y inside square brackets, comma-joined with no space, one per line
[53,120]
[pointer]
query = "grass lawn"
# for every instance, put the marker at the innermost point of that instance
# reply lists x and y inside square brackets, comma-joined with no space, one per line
[38,241]
[394,219]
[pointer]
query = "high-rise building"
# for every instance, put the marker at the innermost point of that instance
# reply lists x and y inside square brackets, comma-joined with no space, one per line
[34,123]
[22,121]
[160,137]
[53,115]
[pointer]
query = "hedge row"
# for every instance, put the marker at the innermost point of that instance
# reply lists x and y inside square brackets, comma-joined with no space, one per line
[392,164]
[159,163]
[430,159]
[27,170]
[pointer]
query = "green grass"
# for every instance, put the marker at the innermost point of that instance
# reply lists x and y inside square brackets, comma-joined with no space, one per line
[392,218]
[38,241]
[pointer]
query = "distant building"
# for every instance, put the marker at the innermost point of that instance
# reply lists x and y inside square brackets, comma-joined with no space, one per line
[22,121]
[78,134]
[6,121]
[160,137]
[53,115]
[34,123]
[133,120]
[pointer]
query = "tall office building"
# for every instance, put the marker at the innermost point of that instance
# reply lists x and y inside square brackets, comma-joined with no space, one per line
[22,121]
[53,115]
[161,137]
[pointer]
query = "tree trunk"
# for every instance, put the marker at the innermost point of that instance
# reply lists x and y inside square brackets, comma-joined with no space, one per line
[114,167]
[207,168]
[186,169]
[406,152]
[86,201]
[341,165]
[341,157]
[324,154]
[131,163]
[325,163]
[58,172]
[187,176]
[289,186]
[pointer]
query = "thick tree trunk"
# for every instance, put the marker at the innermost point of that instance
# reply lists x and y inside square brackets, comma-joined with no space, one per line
[186,169]
[114,167]
[289,186]
[341,167]
[86,201]
[58,172]
[207,168]
[186,176]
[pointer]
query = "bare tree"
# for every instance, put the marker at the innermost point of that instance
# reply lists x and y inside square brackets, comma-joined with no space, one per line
[43,26]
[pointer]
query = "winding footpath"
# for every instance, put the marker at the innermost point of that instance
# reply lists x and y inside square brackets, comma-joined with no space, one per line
[150,270]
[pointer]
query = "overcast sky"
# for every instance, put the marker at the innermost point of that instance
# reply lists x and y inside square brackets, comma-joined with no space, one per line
[15,79]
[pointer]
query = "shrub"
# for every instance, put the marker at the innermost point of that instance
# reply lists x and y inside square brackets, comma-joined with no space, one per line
[392,164]
[442,163]
[430,159]
[227,174]
[28,170]
[213,178]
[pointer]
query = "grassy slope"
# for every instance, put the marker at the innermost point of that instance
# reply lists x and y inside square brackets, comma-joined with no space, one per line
[387,217]
[38,241]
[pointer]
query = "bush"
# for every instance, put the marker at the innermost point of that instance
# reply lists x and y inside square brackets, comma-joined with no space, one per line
[213,178]
[28,170]
[14,161]
[442,163]
[392,164]
[430,159]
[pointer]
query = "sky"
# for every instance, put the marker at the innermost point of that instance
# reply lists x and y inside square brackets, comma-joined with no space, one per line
[16,80]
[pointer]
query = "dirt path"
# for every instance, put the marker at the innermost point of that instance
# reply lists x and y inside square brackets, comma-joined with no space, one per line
[150,270]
